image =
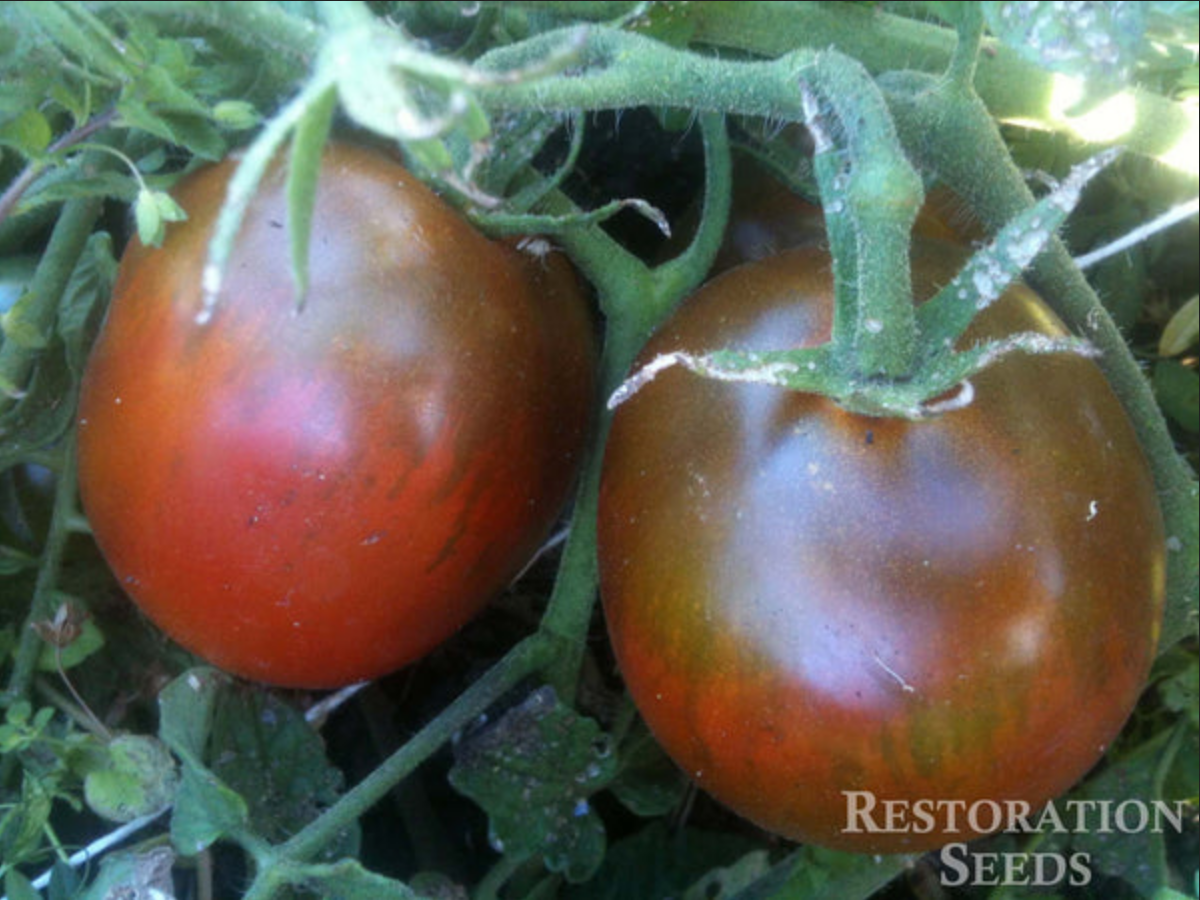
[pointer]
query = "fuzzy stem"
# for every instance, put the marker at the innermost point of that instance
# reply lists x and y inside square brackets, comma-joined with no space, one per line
[883,192]
[1011,88]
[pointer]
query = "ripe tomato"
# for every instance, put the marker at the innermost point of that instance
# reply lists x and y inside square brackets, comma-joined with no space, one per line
[315,496]
[805,602]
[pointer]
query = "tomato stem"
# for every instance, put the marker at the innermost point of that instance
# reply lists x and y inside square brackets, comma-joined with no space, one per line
[1009,86]
[871,195]
[881,191]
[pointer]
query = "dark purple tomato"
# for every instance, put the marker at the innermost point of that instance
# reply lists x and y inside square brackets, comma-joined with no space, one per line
[313,496]
[805,602]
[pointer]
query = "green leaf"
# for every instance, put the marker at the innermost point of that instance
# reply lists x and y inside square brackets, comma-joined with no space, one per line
[1178,22]
[46,407]
[28,133]
[205,811]
[82,303]
[8,644]
[196,131]
[89,639]
[1182,331]
[67,182]
[813,873]
[151,212]
[265,751]
[139,778]
[1140,856]
[44,411]
[659,862]
[673,24]
[18,887]
[19,324]
[731,881]
[13,562]
[23,824]
[1098,41]
[348,880]
[533,771]
[186,711]
[77,34]
[1181,693]
[135,875]
[1183,779]
[65,884]
[648,782]
[1169,894]
[1178,390]
[15,274]
[236,115]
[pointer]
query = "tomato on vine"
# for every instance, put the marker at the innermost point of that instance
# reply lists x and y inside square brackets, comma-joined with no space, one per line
[806,602]
[317,494]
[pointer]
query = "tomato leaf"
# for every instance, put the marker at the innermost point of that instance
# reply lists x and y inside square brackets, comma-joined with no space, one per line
[205,811]
[18,887]
[138,778]
[79,647]
[533,771]
[731,881]
[28,133]
[660,862]
[79,35]
[1138,855]
[264,750]
[40,416]
[23,824]
[82,303]
[813,873]
[648,782]
[348,880]
[1183,329]
[69,183]
[1099,43]
[236,115]
[186,710]
[134,874]
[1178,390]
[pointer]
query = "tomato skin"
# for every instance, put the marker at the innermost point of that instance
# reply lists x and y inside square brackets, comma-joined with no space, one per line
[315,496]
[804,601]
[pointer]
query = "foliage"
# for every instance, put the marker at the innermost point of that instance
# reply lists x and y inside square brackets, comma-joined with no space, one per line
[508,764]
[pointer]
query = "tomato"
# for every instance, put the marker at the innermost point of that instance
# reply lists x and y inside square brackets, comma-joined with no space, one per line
[313,496]
[806,602]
